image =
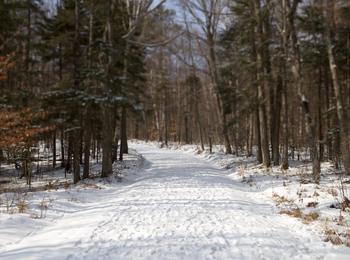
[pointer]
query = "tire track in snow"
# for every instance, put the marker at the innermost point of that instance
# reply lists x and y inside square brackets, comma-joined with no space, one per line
[180,207]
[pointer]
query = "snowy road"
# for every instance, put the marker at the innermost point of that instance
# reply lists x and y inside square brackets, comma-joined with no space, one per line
[181,207]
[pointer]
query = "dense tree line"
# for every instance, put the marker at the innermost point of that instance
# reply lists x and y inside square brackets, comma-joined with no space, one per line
[260,76]
[76,73]
[263,77]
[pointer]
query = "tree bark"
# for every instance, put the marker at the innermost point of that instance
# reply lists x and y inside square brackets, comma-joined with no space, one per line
[54,155]
[285,163]
[28,45]
[76,156]
[258,137]
[76,132]
[276,121]
[107,131]
[261,81]
[250,135]
[123,134]
[107,141]
[68,162]
[87,146]
[284,80]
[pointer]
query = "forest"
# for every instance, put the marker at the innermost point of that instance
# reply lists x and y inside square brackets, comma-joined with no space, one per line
[270,78]
[264,80]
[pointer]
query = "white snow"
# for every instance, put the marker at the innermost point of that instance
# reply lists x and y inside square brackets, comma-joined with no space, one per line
[178,206]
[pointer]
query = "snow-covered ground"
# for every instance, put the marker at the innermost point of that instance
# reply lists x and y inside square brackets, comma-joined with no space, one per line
[325,207]
[178,205]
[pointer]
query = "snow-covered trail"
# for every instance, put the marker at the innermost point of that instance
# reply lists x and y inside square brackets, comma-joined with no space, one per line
[181,207]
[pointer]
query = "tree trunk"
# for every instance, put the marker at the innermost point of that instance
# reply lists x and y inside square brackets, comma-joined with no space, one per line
[319,117]
[166,125]
[199,124]
[68,162]
[250,136]
[210,145]
[285,163]
[284,82]
[76,156]
[258,137]
[115,143]
[76,138]
[330,150]
[87,120]
[215,80]
[54,155]
[28,45]
[107,141]
[87,146]
[81,145]
[276,122]
[107,131]
[261,85]
[123,135]
[63,163]
[137,127]
[187,139]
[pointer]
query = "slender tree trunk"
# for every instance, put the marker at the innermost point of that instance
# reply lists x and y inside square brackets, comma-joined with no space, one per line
[250,136]
[123,135]
[76,132]
[210,145]
[199,124]
[28,44]
[60,75]
[54,155]
[285,164]
[115,144]
[319,117]
[330,150]
[87,118]
[258,137]
[187,139]
[137,129]
[107,141]
[166,125]
[284,81]
[81,143]
[62,149]
[68,163]
[261,85]
[76,156]
[255,112]
[276,122]
[87,143]
[273,108]
[87,146]
[107,131]
[215,81]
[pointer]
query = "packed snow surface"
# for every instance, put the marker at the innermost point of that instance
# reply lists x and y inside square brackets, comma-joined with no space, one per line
[178,206]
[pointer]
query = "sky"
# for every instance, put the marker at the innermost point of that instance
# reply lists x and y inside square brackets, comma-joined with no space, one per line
[169,3]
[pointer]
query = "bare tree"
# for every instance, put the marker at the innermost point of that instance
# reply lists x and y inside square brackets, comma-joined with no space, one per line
[207,15]
[261,81]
